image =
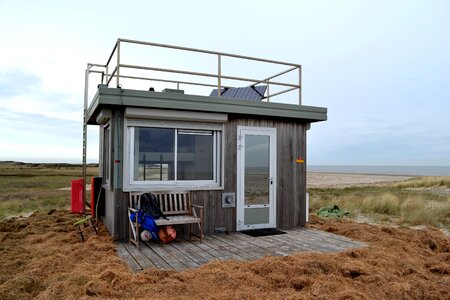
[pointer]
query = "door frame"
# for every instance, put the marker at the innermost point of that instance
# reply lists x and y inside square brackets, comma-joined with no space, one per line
[271,132]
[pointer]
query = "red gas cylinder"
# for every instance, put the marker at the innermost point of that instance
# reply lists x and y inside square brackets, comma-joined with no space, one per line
[77,199]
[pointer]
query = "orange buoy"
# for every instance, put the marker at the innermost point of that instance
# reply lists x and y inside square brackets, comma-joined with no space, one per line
[167,234]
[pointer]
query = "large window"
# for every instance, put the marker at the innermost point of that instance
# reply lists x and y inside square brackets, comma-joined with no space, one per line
[163,156]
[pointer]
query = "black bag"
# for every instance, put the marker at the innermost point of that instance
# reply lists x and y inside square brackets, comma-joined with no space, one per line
[149,206]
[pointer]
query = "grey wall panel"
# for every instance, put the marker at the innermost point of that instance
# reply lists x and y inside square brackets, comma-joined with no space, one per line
[109,219]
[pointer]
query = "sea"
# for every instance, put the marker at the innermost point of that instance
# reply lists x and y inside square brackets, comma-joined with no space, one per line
[385,170]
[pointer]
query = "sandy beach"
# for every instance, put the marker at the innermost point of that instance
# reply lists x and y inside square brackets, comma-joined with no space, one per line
[322,179]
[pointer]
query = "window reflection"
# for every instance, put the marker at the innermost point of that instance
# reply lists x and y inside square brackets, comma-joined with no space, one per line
[155,160]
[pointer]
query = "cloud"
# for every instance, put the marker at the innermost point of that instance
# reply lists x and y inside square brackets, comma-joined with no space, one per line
[16,82]
[411,142]
[22,92]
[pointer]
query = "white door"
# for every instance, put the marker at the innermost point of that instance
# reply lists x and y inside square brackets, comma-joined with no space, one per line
[256,178]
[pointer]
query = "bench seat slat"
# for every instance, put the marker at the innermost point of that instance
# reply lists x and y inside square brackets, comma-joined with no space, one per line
[175,220]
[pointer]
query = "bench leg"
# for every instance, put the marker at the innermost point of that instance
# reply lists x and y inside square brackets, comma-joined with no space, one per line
[200,229]
[134,235]
[200,235]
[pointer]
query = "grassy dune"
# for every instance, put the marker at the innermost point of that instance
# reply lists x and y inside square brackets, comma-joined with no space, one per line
[421,201]
[30,187]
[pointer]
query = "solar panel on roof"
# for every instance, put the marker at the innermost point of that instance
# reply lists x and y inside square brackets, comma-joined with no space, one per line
[254,93]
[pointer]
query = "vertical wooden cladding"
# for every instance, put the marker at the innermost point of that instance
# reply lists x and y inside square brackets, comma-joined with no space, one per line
[291,176]
[291,181]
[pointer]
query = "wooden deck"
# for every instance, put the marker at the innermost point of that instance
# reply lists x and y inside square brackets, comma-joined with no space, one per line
[184,254]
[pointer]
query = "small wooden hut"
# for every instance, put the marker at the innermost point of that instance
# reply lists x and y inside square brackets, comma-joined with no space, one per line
[239,152]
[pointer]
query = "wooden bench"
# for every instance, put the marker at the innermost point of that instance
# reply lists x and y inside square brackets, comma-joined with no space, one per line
[176,206]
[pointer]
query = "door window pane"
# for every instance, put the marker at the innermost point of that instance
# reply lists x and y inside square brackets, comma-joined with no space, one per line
[260,215]
[154,158]
[256,177]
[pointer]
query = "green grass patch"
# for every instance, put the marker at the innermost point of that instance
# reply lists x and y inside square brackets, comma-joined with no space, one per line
[29,187]
[423,201]
[431,181]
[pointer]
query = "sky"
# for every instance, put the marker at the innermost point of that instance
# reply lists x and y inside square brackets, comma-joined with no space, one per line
[382,68]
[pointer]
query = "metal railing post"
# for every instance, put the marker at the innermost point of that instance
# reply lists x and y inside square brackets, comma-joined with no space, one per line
[268,90]
[118,63]
[299,85]
[219,74]
[107,74]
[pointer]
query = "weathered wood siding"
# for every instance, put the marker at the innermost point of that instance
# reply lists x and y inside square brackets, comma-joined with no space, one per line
[291,176]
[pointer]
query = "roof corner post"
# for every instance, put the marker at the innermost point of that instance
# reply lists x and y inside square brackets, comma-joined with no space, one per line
[118,63]
[106,75]
[299,84]
[219,73]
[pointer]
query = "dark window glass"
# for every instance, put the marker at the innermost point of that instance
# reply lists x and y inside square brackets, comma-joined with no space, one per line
[154,158]
[195,156]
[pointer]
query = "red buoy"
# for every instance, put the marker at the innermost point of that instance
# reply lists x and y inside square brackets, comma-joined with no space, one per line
[167,234]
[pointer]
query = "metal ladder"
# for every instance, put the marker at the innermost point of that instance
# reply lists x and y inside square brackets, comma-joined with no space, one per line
[84,174]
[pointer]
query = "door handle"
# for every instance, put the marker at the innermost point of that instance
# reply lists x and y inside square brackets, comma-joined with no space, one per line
[270,180]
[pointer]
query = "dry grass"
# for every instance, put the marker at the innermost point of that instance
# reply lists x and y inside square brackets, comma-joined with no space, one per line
[43,259]
[423,201]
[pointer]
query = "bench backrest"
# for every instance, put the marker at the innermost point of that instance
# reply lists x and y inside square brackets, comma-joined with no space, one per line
[170,203]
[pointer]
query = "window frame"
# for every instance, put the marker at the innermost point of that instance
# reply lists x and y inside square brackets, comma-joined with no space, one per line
[218,156]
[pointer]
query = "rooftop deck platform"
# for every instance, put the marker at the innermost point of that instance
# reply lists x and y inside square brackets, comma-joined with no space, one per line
[185,254]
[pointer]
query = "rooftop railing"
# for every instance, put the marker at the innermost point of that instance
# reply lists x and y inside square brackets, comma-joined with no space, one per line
[116,71]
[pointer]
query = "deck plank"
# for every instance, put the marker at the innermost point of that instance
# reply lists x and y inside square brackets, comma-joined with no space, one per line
[159,262]
[174,263]
[337,238]
[205,253]
[272,248]
[318,242]
[230,251]
[248,250]
[291,243]
[182,258]
[140,258]
[189,250]
[217,254]
[128,258]
[236,245]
